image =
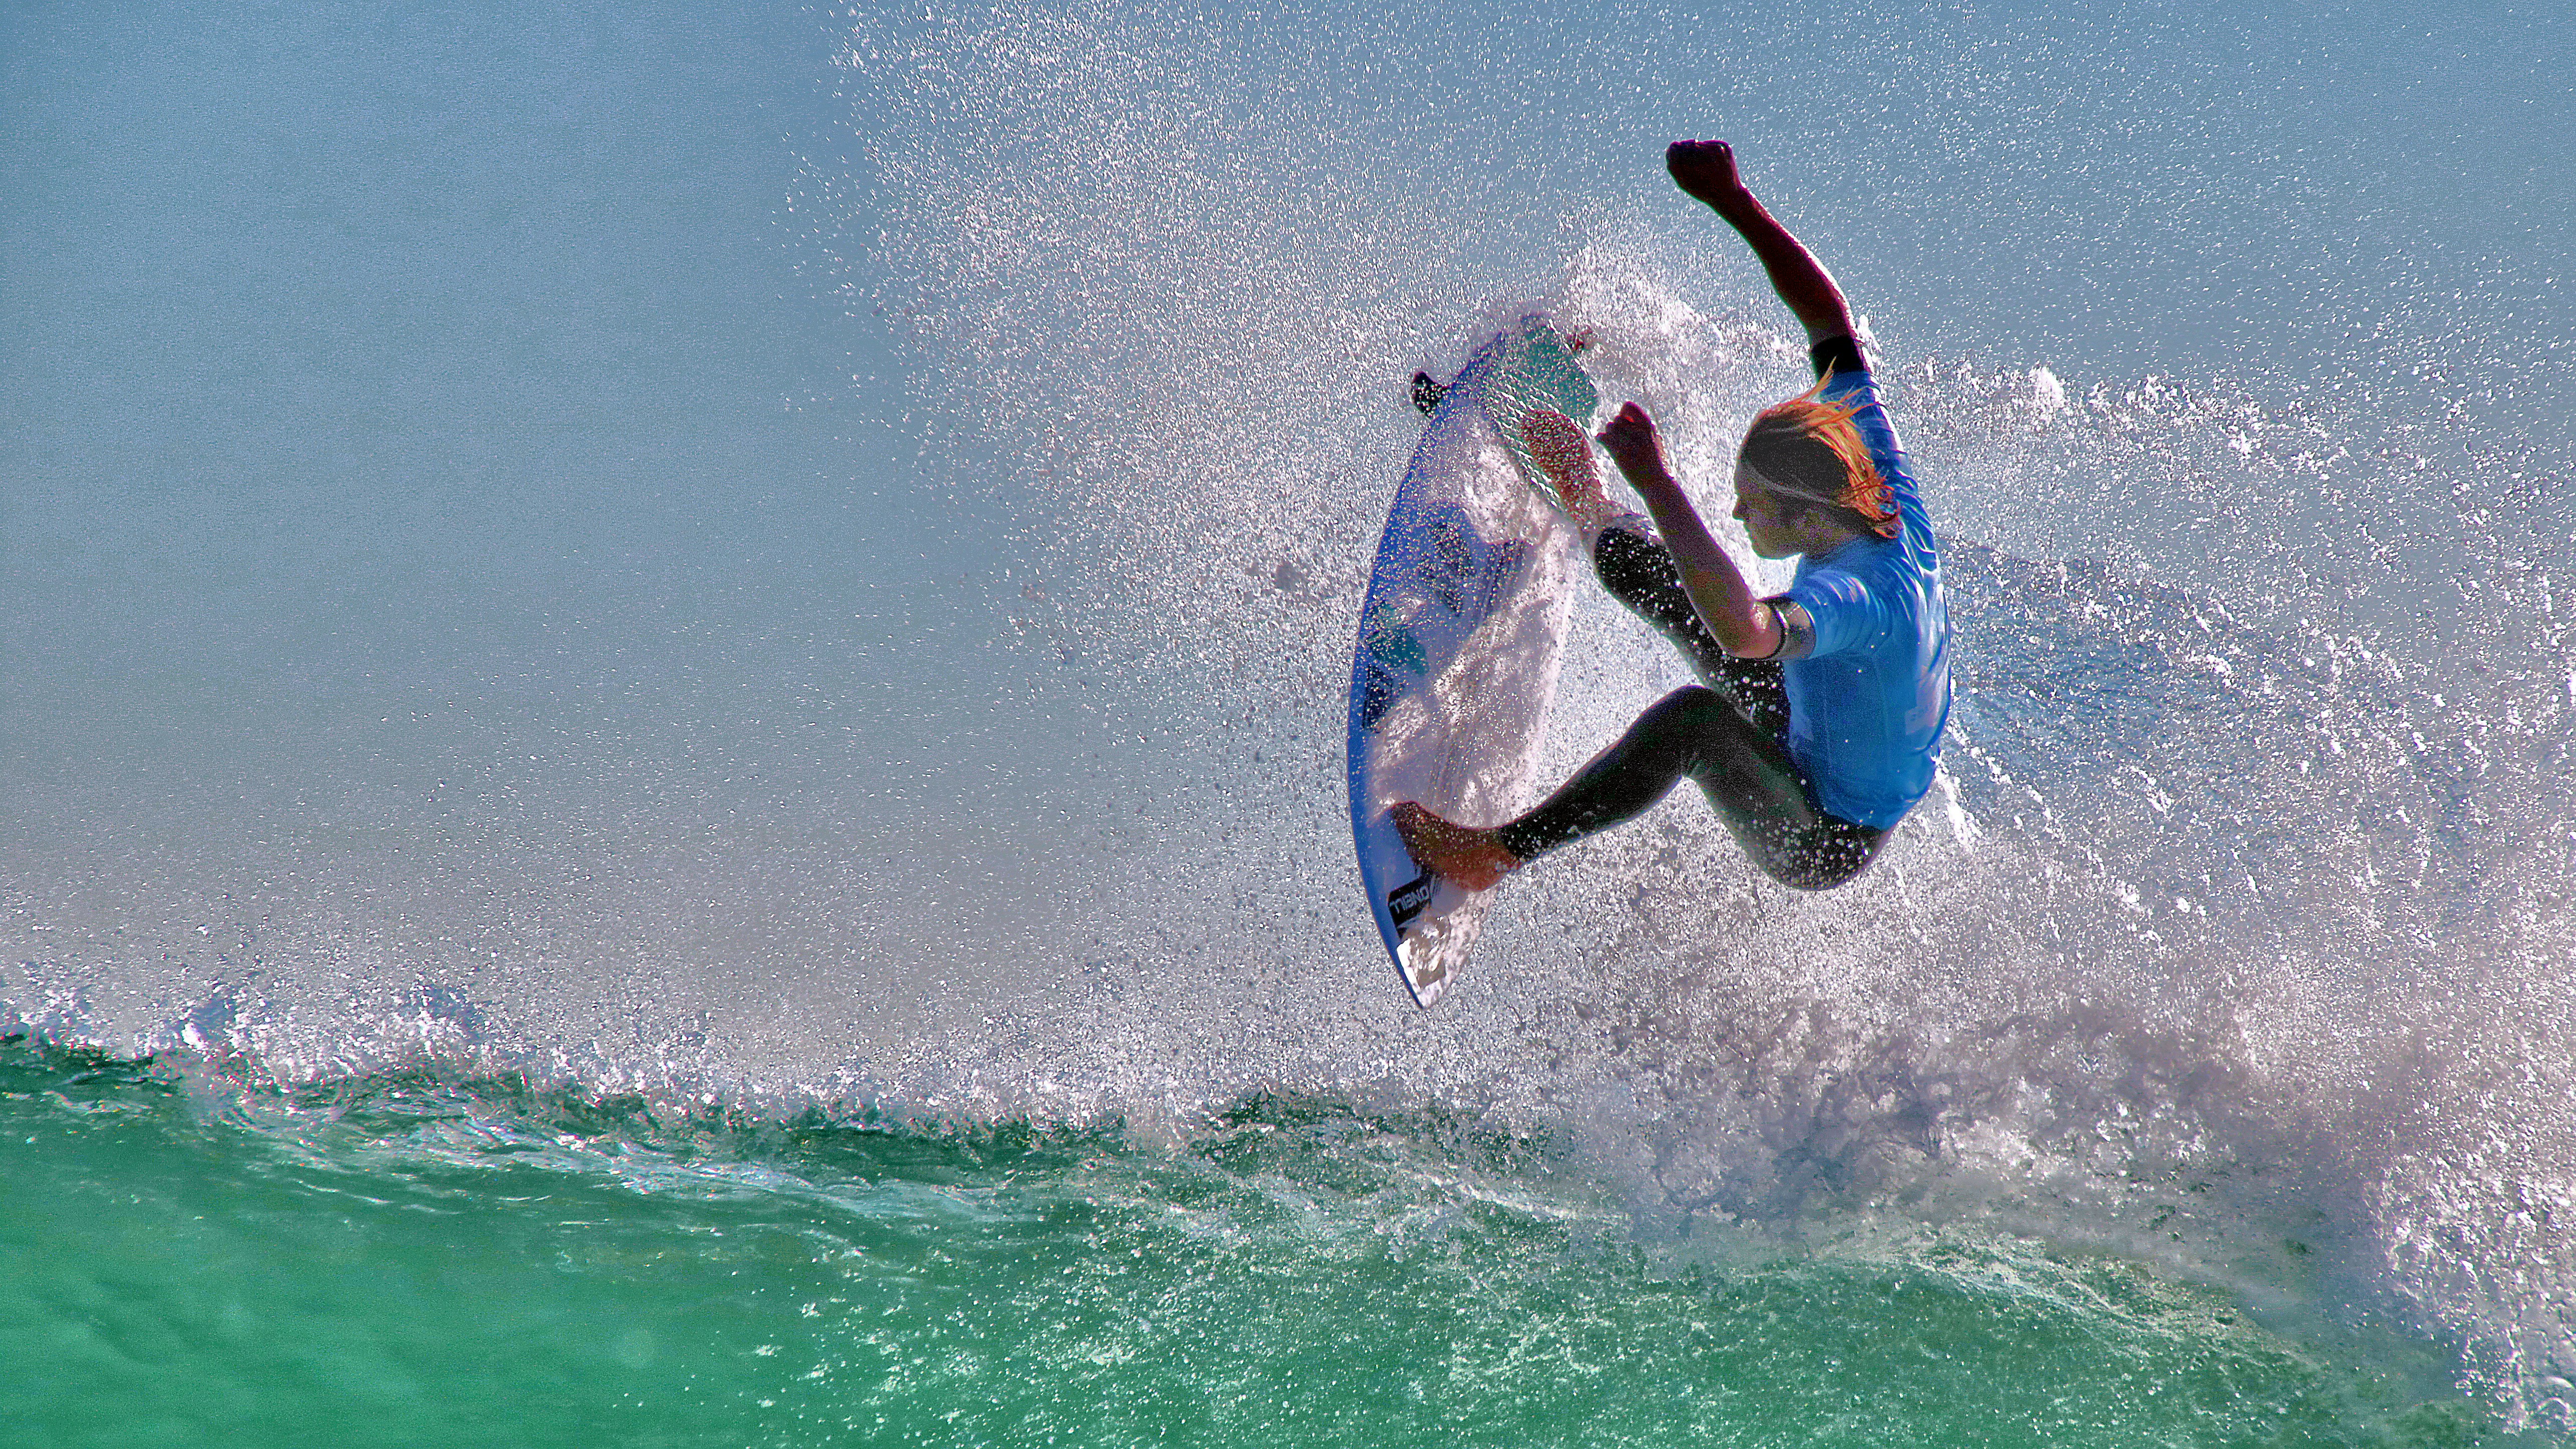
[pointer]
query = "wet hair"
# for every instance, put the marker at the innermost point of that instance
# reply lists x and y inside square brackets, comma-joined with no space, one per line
[1809,455]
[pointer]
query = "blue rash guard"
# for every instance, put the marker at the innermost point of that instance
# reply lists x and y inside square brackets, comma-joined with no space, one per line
[1808,761]
[1868,702]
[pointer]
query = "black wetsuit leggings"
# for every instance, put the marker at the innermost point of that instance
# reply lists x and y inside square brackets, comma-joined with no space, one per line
[1730,736]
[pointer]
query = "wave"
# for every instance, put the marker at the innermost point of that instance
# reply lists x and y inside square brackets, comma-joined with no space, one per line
[1354,1275]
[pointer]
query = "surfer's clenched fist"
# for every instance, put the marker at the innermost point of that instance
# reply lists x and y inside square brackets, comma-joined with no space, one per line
[1632,442]
[1705,170]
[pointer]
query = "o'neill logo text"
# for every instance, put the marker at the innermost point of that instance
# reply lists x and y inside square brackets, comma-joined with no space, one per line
[1406,901]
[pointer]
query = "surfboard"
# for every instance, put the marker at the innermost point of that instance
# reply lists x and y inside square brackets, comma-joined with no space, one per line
[1460,636]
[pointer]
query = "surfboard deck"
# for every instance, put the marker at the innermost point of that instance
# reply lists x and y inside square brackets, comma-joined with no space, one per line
[1460,638]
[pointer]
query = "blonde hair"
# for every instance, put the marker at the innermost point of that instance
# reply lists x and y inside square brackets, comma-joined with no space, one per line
[1807,449]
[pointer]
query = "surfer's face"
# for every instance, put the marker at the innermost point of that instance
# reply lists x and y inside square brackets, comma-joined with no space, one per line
[1768,526]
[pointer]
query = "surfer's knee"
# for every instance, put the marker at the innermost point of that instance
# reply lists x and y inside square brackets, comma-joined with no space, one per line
[1631,562]
[1806,876]
[1699,727]
[1692,707]
[1822,860]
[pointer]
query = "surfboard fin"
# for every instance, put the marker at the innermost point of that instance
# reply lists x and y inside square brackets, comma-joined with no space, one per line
[1427,393]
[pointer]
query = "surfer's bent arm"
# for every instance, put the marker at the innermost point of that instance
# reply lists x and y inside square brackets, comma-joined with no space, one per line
[1706,170]
[1747,627]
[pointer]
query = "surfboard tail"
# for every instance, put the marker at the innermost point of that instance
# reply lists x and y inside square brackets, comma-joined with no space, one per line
[1428,922]
[1430,952]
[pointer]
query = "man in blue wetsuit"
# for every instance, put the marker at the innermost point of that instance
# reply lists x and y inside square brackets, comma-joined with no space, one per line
[1818,723]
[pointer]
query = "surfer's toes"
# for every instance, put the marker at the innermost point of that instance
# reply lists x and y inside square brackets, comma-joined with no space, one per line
[1565,456]
[1473,858]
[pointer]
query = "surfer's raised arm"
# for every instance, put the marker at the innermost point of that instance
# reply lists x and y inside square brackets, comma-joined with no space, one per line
[1706,170]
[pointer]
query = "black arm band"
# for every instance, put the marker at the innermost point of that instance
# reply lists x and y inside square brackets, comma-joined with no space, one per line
[1797,631]
[1837,354]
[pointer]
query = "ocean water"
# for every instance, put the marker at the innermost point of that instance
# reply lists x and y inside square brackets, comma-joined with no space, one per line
[670,722]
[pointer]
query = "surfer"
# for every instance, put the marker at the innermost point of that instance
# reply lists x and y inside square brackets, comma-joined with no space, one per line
[1818,720]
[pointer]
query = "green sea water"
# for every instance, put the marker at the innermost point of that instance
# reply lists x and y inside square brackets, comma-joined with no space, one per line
[415,1260]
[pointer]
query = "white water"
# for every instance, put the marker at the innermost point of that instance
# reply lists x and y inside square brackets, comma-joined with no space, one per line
[816,558]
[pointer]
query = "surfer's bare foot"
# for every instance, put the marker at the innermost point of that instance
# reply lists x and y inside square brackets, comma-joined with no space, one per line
[1473,858]
[1565,455]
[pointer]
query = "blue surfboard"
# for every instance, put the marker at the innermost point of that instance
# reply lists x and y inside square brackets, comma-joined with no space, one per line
[1460,637]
